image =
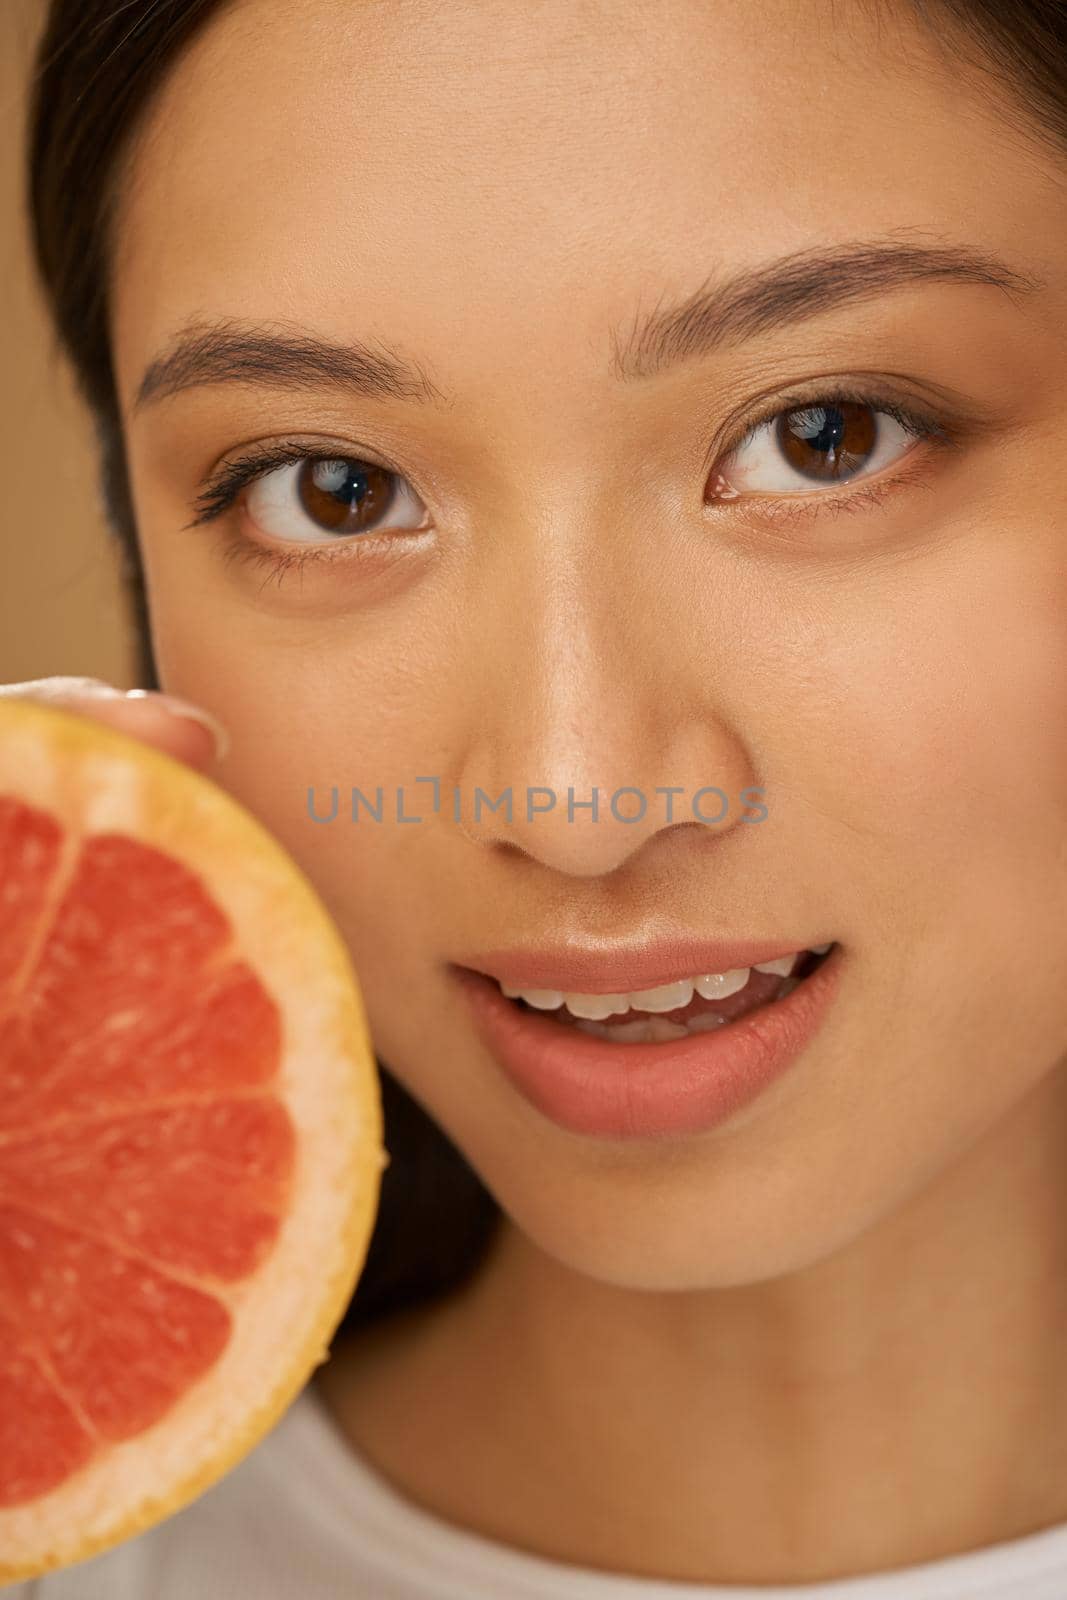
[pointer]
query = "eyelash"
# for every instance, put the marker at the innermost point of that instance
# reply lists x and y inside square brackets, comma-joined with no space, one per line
[922,425]
[221,491]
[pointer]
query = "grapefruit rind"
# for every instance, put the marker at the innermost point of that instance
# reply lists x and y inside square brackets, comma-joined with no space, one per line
[94,779]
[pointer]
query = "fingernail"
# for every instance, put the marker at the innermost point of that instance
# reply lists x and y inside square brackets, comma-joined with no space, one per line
[62,686]
[184,708]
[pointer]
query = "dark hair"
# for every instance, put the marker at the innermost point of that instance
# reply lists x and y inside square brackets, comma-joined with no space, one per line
[97,67]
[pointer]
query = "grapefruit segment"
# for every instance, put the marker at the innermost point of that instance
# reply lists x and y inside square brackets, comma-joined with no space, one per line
[190,1135]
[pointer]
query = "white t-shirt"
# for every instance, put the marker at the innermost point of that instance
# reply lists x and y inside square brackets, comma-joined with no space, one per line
[303,1517]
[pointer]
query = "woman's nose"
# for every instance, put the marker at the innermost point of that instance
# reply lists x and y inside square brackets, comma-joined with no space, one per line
[595,740]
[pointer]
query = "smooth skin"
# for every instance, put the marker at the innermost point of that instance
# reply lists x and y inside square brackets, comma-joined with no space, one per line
[827,1336]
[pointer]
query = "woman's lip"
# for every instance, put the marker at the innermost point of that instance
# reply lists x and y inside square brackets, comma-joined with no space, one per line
[576,971]
[589,1085]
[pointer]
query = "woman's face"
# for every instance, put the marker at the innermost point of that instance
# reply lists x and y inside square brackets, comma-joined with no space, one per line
[568,571]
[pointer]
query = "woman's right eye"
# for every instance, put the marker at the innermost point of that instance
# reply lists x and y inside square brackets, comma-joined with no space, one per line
[336,495]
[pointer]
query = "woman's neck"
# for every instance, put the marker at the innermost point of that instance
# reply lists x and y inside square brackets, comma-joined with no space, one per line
[900,1401]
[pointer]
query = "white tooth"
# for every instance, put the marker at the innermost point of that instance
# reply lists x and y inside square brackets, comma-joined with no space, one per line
[635,1032]
[594,1007]
[717,985]
[820,949]
[781,968]
[542,999]
[660,1030]
[625,1032]
[642,1030]
[512,994]
[666,998]
[632,1032]
[705,1022]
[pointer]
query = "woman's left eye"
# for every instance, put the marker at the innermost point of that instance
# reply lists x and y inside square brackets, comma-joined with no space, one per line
[815,446]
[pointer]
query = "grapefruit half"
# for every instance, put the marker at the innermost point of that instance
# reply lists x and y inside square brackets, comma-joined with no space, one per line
[190,1135]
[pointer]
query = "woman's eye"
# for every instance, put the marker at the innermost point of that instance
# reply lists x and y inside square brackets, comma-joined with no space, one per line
[811,447]
[336,495]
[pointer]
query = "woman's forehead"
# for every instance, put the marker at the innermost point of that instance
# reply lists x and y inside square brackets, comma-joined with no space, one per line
[383,163]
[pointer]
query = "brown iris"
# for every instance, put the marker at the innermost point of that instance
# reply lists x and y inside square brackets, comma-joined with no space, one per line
[344,495]
[827,442]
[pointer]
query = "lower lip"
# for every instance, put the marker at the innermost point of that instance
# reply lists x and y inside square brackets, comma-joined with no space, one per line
[635,1091]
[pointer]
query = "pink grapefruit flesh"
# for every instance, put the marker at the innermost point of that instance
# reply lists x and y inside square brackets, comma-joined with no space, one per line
[190,1135]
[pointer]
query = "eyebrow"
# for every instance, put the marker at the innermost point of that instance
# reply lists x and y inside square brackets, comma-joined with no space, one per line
[754,301]
[800,286]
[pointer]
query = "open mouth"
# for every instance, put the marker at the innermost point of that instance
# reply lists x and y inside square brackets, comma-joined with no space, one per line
[672,1060]
[702,1003]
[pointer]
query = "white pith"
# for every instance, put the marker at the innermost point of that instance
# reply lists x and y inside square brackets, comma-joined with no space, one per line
[666,997]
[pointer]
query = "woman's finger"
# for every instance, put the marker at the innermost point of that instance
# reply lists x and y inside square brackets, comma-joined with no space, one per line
[175,726]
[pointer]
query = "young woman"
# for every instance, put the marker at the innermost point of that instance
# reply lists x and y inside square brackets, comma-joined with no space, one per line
[650,401]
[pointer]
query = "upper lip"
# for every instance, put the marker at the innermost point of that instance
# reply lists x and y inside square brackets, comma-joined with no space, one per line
[575,970]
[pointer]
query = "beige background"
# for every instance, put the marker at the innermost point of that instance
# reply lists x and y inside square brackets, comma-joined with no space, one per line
[61,602]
